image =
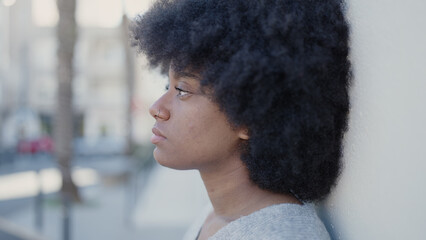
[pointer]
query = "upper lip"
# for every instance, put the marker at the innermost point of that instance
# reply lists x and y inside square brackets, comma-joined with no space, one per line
[157,132]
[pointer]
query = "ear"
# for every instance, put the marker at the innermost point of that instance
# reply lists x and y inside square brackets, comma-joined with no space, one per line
[243,134]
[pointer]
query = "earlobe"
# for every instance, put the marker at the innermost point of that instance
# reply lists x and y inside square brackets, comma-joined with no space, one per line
[243,134]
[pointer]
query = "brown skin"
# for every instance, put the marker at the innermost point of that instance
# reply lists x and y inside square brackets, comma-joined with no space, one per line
[195,134]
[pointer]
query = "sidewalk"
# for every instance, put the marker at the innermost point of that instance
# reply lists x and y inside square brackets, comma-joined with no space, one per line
[9,231]
[167,201]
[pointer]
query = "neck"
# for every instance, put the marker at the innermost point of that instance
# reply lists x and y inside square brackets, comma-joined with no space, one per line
[233,195]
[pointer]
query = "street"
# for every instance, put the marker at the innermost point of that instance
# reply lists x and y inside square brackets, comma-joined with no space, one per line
[119,201]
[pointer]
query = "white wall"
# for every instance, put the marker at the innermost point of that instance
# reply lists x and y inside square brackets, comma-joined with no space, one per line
[382,191]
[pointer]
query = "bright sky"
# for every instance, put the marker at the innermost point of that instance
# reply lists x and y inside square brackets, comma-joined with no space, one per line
[93,13]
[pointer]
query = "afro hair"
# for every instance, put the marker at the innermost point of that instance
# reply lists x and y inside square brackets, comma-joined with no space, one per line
[278,67]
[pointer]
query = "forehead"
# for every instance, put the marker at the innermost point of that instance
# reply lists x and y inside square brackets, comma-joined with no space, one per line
[183,74]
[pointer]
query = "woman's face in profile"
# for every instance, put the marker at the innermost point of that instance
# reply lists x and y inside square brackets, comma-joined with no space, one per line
[190,131]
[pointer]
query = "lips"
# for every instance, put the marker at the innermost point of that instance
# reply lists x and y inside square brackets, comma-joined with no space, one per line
[157,137]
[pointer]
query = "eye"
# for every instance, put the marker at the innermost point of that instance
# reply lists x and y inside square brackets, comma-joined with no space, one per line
[182,93]
[167,87]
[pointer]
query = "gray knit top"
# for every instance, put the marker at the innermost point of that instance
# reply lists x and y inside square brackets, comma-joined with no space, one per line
[276,222]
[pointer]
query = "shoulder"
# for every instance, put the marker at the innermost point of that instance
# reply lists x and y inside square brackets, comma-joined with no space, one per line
[277,222]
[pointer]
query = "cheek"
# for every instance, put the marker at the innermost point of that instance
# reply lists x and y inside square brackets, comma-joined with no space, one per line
[192,125]
[193,128]
[209,132]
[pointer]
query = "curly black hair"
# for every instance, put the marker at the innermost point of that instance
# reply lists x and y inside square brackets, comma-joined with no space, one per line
[278,67]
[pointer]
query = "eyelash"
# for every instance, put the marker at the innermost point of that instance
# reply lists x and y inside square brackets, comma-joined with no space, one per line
[181,93]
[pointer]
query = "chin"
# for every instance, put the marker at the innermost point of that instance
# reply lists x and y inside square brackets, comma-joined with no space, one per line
[171,162]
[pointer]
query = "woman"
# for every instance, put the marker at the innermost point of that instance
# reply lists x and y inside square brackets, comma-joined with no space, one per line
[257,102]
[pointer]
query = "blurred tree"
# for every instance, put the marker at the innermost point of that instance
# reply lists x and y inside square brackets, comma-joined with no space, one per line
[130,84]
[63,122]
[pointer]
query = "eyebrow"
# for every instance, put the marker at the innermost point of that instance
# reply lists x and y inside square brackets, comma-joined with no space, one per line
[183,74]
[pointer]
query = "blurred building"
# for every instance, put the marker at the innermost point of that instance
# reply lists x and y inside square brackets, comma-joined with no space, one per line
[28,75]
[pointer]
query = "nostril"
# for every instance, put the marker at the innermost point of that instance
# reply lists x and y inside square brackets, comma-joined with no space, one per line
[162,114]
[153,112]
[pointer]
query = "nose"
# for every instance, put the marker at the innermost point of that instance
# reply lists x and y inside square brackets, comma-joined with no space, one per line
[159,109]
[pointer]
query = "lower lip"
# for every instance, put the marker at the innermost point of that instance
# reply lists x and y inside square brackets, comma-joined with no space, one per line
[156,139]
